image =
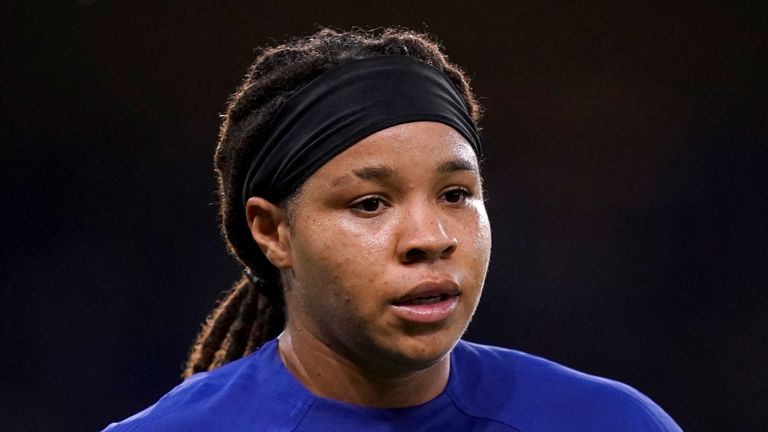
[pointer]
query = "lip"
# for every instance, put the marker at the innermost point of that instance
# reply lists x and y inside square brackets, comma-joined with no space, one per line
[428,302]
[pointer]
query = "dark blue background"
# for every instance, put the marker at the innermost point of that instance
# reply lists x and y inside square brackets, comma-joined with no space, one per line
[626,170]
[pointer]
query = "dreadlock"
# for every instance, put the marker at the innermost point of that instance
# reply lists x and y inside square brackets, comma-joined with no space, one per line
[252,312]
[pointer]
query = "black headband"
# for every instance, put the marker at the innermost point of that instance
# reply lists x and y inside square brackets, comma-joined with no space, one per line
[344,105]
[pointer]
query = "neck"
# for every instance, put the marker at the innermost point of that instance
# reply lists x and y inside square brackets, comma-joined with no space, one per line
[329,374]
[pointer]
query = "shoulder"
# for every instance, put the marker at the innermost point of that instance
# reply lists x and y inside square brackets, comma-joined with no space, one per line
[217,400]
[532,393]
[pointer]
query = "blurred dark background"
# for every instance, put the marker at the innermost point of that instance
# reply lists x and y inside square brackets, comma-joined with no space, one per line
[626,170]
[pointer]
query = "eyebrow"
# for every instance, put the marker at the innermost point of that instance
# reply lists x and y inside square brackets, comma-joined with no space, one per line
[379,173]
[385,174]
[456,165]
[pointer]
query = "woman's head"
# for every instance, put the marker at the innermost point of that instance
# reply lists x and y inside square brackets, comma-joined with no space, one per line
[252,312]
[386,249]
[276,75]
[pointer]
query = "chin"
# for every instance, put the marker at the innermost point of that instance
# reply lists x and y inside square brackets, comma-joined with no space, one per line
[416,352]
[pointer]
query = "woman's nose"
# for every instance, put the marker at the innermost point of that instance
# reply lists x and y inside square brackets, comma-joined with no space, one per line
[424,236]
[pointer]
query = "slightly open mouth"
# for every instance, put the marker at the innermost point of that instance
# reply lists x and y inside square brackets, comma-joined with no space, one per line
[424,300]
[426,309]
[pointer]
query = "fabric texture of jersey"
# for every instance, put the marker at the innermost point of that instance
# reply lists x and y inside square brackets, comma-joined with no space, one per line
[489,389]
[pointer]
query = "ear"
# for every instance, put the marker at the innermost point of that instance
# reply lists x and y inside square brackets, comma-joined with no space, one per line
[269,228]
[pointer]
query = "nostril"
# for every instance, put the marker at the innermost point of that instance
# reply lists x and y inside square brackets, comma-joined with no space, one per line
[415,255]
[448,251]
[420,254]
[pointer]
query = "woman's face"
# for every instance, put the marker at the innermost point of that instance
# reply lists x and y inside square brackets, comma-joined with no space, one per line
[388,248]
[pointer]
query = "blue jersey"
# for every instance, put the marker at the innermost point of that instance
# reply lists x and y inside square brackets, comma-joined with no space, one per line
[489,389]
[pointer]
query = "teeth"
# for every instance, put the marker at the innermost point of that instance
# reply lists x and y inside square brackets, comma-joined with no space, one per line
[426,300]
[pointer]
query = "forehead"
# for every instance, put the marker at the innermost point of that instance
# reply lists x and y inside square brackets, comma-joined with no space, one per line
[422,145]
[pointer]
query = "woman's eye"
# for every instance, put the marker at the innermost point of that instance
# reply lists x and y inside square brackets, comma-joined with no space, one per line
[456,195]
[369,205]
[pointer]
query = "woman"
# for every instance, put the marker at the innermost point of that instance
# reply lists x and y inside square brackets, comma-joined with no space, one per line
[351,193]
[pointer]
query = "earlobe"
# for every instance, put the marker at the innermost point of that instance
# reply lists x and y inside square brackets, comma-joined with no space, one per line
[269,228]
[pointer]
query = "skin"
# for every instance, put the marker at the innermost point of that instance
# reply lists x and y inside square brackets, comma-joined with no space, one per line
[400,208]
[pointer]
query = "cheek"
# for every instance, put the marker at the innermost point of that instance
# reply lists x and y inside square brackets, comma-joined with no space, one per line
[478,234]
[484,236]
[356,243]
[373,235]
[340,259]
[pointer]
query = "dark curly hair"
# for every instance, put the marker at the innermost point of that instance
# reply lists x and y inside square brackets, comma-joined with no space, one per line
[252,312]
